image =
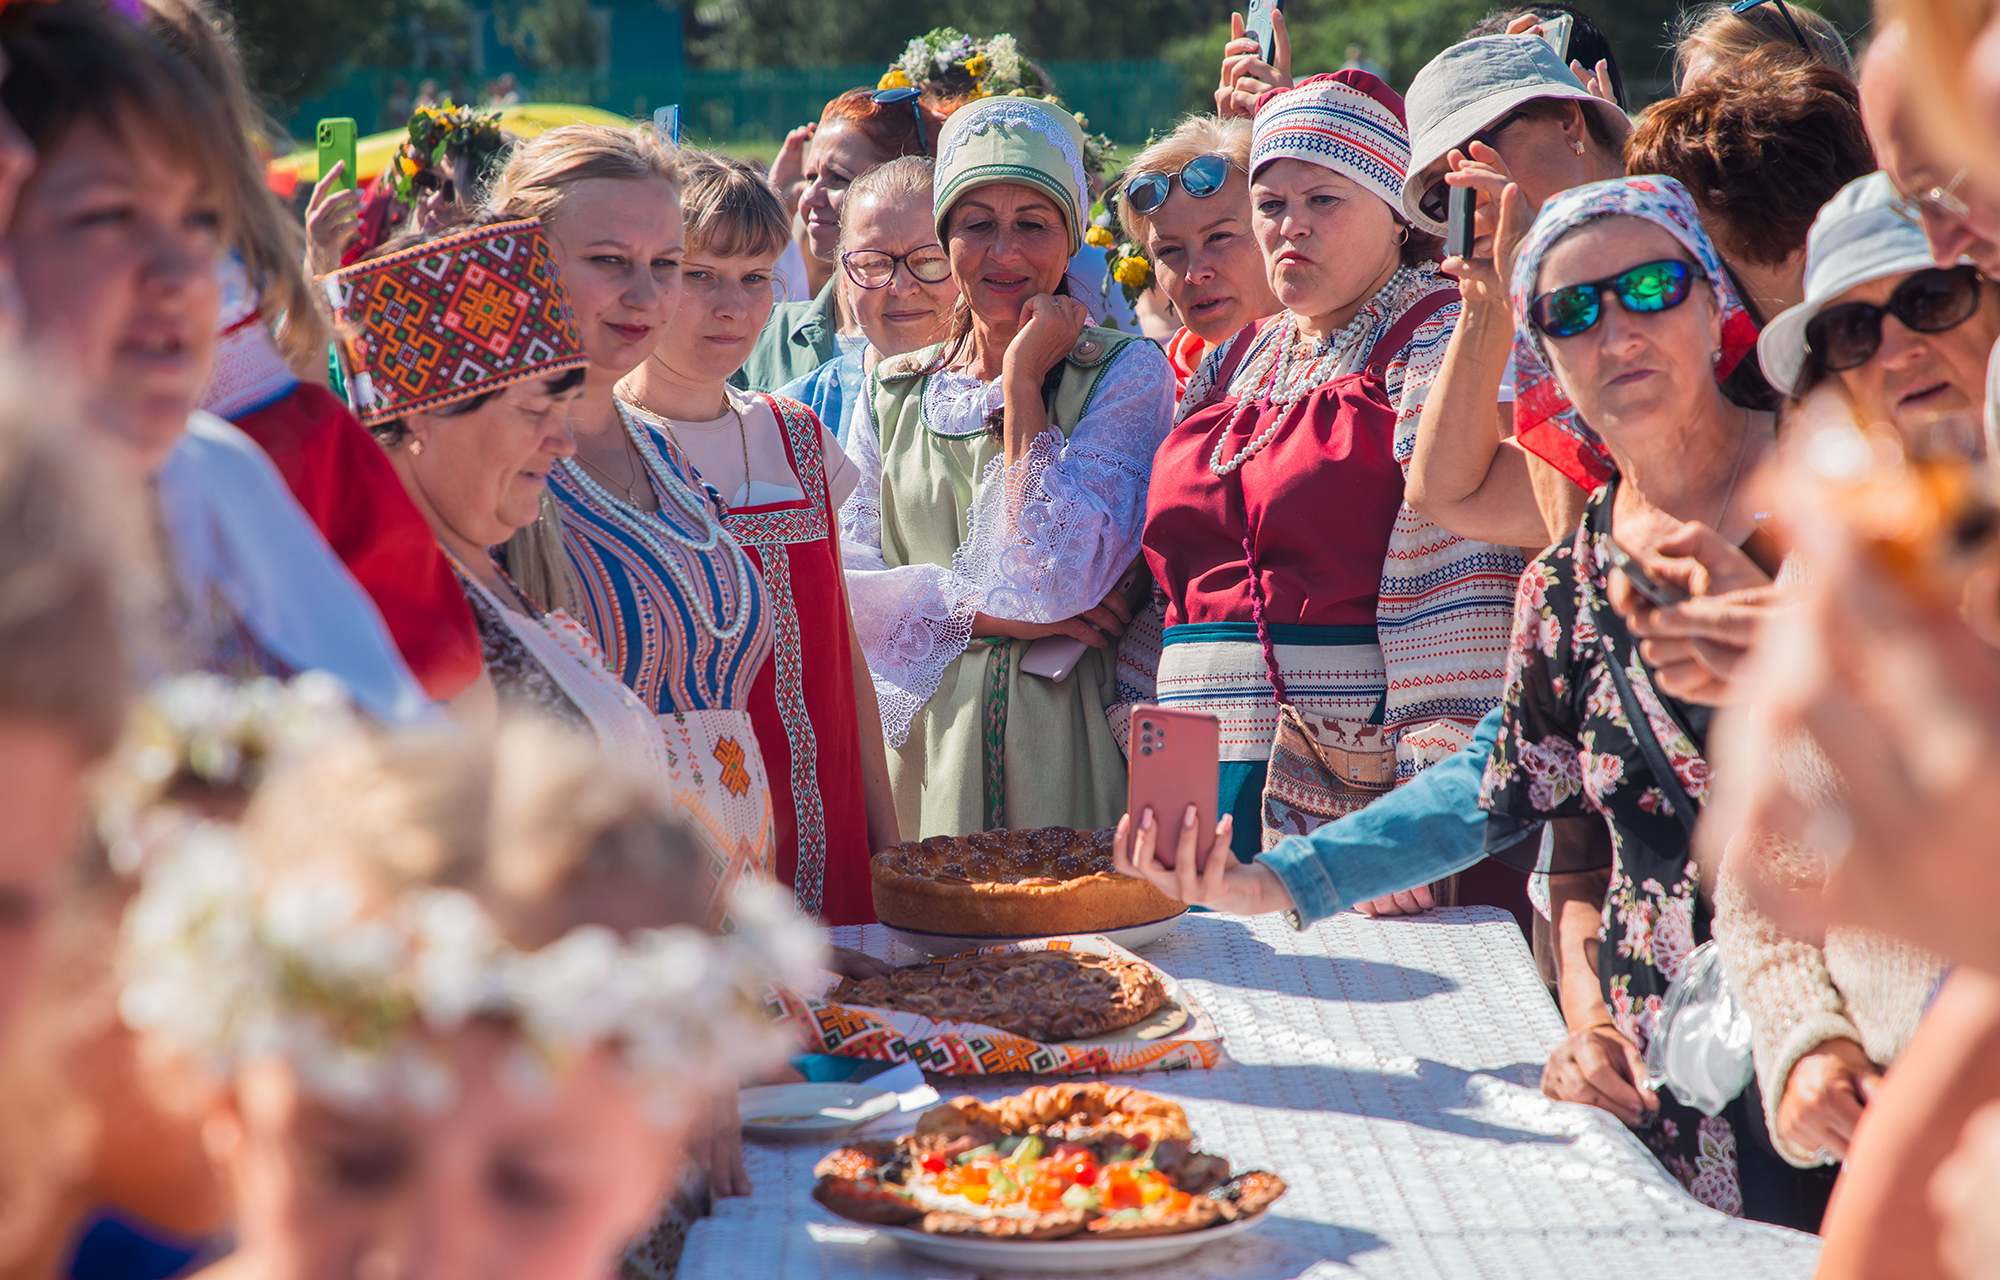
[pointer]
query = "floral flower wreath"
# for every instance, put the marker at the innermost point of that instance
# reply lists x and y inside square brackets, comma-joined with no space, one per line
[950,66]
[438,138]
[233,967]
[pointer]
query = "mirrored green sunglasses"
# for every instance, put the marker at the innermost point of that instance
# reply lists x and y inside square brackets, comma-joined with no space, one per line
[1648,287]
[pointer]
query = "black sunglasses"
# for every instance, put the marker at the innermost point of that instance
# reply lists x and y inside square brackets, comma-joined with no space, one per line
[1436,204]
[1931,301]
[1201,177]
[896,97]
[1644,289]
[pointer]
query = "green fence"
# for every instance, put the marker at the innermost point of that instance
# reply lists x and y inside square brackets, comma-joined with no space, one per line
[1127,99]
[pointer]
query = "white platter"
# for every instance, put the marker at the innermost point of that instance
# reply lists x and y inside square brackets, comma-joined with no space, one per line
[797,1112]
[1044,1256]
[945,944]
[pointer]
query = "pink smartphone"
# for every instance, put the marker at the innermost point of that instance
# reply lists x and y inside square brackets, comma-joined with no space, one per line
[1174,764]
[1054,657]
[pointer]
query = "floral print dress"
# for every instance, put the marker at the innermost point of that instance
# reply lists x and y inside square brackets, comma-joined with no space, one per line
[1566,749]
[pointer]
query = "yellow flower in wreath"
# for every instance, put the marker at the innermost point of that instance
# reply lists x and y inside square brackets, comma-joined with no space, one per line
[893,79]
[1098,236]
[977,65]
[1134,273]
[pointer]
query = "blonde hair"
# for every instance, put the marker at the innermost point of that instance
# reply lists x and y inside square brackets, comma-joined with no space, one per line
[732,211]
[1728,38]
[542,170]
[538,178]
[900,179]
[530,819]
[264,231]
[1194,136]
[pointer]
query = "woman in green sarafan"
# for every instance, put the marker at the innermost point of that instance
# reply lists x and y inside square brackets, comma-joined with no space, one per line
[1003,493]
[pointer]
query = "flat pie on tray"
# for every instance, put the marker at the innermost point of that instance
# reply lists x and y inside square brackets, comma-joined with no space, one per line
[1012,884]
[1069,1161]
[1044,995]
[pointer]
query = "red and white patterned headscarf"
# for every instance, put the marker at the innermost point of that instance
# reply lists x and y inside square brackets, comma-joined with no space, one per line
[1346,121]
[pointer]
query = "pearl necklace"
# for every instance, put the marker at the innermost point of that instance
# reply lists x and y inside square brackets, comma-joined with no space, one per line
[648,526]
[1284,385]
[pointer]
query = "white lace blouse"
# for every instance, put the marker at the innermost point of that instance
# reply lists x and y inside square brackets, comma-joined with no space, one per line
[1048,537]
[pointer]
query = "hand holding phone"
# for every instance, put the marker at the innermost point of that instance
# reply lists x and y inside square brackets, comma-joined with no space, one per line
[1174,763]
[1459,230]
[1663,595]
[1260,24]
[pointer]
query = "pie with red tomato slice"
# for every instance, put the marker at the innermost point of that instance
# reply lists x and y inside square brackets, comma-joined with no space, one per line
[1066,1161]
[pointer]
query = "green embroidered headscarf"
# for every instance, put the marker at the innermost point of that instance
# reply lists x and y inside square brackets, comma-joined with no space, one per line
[1024,140]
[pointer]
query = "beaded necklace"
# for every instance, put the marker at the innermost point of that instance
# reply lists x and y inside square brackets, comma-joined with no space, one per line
[1285,379]
[648,527]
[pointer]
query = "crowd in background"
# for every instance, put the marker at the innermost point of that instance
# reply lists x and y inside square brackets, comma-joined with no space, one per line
[455,651]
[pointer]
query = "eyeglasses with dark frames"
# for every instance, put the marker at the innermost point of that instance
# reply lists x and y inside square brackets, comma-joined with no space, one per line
[874,269]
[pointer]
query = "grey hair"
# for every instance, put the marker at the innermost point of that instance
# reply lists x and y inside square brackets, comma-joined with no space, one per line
[898,179]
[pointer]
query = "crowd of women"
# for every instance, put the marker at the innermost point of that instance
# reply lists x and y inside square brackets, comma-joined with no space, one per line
[452,650]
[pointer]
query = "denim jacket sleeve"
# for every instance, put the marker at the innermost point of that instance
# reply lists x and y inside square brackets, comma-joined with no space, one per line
[1424,830]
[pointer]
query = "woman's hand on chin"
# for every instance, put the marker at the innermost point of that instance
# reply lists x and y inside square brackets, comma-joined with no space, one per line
[1050,326]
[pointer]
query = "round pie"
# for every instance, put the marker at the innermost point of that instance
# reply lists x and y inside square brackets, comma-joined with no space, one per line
[1012,884]
[1076,1160]
[1043,995]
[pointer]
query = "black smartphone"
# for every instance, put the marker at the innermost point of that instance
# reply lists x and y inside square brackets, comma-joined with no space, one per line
[1458,235]
[1662,594]
[1260,23]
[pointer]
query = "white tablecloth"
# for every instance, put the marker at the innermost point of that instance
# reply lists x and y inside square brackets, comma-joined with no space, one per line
[1387,1069]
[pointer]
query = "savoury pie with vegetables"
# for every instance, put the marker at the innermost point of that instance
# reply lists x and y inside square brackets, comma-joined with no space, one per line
[1060,1162]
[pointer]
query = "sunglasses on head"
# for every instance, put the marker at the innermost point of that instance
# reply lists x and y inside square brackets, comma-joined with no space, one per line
[1646,288]
[1201,177]
[1931,301]
[1436,203]
[894,97]
[874,269]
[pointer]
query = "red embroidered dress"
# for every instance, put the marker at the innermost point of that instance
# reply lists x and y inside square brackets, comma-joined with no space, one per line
[803,704]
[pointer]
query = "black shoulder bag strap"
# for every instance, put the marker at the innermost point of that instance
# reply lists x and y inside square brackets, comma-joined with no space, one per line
[1642,727]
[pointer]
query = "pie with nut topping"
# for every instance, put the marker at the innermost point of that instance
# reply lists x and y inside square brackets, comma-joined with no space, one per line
[1044,995]
[1012,884]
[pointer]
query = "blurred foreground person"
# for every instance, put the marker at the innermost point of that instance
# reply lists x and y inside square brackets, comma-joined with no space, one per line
[510,1012]
[116,239]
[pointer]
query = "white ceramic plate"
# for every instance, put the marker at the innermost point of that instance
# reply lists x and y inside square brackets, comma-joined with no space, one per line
[945,944]
[798,1112]
[1062,1255]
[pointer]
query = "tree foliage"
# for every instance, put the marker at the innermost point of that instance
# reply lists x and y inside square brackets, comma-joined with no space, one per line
[292,48]
[836,32]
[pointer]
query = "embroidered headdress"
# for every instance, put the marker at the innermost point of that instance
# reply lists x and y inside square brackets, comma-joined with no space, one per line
[450,318]
[1545,422]
[1346,121]
[1023,140]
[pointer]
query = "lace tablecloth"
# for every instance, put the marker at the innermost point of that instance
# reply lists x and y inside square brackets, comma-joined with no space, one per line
[1388,1069]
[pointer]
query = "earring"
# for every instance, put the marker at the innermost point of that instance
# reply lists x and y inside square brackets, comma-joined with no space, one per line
[1578,144]
[416,448]
[1404,237]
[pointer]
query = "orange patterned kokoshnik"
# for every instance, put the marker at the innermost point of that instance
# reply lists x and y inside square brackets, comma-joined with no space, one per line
[452,318]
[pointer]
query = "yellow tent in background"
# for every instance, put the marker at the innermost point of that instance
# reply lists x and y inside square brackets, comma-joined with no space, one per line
[373,152]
